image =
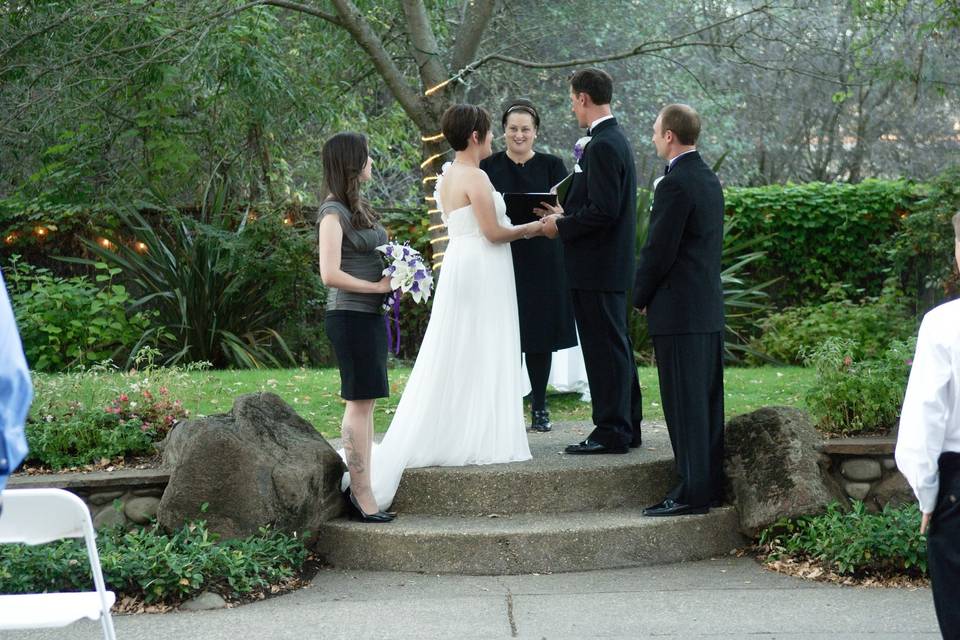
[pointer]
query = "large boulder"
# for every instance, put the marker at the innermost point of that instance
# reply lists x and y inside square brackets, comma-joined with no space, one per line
[772,467]
[261,464]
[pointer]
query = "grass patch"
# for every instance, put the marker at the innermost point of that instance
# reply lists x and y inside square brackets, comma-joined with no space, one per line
[314,393]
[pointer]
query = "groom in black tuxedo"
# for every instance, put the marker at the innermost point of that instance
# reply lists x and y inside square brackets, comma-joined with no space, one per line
[678,286]
[597,224]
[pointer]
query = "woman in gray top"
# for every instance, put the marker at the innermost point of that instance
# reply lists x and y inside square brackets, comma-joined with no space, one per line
[352,268]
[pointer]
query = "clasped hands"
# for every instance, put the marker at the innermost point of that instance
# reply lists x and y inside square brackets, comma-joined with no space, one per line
[548,218]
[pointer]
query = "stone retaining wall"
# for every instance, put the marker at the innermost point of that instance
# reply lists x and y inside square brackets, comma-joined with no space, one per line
[864,469]
[115,497]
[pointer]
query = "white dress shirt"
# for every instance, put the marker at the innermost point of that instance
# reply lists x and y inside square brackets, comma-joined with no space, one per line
[930,418]
[598,121]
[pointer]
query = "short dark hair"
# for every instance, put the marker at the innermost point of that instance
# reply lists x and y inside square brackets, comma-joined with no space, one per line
[596,83]
[683,120]
[520,105]
[460,121]
[956,226]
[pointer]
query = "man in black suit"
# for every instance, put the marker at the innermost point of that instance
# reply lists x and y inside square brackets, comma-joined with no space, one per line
[678,286]
[597,224]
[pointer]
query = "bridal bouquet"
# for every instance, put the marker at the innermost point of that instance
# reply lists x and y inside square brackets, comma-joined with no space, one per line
[408,274]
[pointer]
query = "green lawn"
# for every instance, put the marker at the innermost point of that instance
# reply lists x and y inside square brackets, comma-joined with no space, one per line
[314,392]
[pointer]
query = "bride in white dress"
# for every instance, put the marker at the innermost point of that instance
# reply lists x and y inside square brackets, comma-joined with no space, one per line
[463,402]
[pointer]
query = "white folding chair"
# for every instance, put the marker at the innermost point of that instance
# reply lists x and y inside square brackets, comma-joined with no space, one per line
[36,516]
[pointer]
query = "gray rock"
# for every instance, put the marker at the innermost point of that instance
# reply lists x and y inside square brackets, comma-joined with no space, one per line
[153,492]
[108,517]
[141,510]
[104,497]
[772,467]
[861,469]
[893,490]
[857,490]
[261,464]
[203,602]
[889,464]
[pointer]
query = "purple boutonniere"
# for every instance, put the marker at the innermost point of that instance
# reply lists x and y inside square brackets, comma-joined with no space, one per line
[578,149]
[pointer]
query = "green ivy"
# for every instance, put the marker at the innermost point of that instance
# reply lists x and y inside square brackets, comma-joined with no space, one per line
[854,542]
[156,566]
[817,234]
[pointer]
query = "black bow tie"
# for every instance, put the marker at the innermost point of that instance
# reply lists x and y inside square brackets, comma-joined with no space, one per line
[666,169]
[589,131]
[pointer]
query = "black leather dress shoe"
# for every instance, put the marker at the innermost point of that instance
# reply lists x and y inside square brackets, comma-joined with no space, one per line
[540,421]
[671,507]
[588,447]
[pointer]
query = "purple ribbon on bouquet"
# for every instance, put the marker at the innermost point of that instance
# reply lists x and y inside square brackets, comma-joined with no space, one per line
[393,304]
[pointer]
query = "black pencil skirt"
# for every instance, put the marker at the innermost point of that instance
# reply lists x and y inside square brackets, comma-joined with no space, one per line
[359,341]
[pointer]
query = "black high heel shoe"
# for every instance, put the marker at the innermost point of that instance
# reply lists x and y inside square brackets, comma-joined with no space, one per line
[356,513]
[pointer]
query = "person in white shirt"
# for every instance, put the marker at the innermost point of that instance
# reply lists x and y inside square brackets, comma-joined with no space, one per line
[16,392]
[928,449]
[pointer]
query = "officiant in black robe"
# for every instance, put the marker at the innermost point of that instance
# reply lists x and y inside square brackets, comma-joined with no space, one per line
[543,296]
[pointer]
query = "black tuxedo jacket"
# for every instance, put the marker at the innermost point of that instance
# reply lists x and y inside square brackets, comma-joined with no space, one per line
[678,279]
[599,224]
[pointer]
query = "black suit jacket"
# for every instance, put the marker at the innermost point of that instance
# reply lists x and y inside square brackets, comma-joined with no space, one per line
[598,227]
[678,279]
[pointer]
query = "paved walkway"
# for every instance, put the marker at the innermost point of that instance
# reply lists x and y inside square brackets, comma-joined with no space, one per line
[723,598]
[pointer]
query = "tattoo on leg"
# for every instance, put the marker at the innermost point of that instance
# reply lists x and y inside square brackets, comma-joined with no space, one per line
[356,460]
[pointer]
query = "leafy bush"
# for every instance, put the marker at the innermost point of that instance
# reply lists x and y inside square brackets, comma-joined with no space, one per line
[921,251]
[86,436]
[208,308]
[853,396]
[155,566]
[870,325]
[68,427]
[69,322]
[856,542]
[816,234]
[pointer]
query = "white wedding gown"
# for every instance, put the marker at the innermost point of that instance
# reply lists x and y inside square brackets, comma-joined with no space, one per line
[463,402]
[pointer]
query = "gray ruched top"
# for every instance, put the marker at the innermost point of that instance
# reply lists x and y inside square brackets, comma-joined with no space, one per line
[359,258]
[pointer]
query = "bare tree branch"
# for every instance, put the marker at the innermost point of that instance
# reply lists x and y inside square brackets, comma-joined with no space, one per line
[369,41]
[475,20]
[423,43]
[653,46]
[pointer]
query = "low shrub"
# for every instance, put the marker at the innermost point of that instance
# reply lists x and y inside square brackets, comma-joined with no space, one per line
[870,324]
[858,396]
[854,542]
[70,322]
[84,437]
[83,417]
[147,563]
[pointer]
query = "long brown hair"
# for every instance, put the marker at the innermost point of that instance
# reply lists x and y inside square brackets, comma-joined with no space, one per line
[344,157]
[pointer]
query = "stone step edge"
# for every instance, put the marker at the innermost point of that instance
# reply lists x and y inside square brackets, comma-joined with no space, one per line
[610,540]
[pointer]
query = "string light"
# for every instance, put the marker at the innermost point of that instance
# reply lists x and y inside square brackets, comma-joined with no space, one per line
[437,87]
[440,239]
[436,226]
[428,161]
[434,138]
[430,199]
[103,242]
[140,247]
[428,179]
[432,211]
[287,220]
[11,238]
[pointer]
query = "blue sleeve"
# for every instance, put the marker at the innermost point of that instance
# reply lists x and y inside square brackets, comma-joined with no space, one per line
[16,391]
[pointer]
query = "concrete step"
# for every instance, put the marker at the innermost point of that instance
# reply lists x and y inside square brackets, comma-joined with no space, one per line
[552,482]
[527,543]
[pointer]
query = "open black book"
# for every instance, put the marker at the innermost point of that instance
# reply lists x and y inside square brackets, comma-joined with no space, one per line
[562,187]
[520,206]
